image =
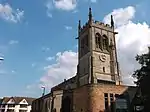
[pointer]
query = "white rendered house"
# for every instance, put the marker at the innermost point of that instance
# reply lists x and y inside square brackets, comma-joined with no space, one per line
[16,104]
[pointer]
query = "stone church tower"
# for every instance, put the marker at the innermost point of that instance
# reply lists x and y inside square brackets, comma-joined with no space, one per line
[97,53]
[98,77]
[97,81]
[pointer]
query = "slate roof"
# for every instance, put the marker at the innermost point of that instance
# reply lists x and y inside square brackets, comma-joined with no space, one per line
[17,100]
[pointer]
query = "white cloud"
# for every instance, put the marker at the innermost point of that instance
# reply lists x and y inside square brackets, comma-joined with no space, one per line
[13,42]
[50,58]
[65,4]
[64,68]
[133,39]
[68,27]
[9,14]
[122,16]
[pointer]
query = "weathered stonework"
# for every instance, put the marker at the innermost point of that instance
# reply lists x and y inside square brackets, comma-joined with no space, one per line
[97,73]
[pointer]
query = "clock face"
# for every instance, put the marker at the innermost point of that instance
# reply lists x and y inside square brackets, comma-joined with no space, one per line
[102,57]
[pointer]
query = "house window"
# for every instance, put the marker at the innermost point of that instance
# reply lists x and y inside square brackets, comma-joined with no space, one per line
[23,105]
[10,110]
[11,105]
[3,105]
[106,101]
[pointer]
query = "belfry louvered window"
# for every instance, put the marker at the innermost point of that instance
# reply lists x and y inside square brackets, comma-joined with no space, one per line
[105,42]
[98,41]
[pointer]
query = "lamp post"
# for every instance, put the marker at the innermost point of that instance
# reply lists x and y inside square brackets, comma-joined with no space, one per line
[1,58]
[43,90]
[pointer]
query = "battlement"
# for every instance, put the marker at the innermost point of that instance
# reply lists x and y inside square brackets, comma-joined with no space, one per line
[92,23]
[84,26]
[102,24]
[95,24]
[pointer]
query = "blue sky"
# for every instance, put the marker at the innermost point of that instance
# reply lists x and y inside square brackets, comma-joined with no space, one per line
[32,32]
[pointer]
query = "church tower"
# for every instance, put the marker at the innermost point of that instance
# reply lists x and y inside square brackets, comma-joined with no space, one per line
[97,57]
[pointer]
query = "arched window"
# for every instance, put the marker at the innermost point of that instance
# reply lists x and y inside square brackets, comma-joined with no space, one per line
[105,42]
[98,41]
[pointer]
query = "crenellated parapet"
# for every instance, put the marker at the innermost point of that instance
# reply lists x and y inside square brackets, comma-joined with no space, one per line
[92,23]
[84,27]
[102,24]
[95,24]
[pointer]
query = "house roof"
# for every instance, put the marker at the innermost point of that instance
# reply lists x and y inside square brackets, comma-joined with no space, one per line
[17,100]
[5,100]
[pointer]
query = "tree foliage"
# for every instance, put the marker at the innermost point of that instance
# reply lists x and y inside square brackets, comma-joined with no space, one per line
[143,74]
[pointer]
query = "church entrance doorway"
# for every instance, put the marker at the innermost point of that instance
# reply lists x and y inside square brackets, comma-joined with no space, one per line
[66,104]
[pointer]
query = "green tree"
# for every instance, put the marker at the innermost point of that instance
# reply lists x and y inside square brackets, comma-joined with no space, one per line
[143,77]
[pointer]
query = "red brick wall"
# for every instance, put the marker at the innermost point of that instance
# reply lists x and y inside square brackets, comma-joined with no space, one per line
[90,98]
[80,96]
[97,103]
